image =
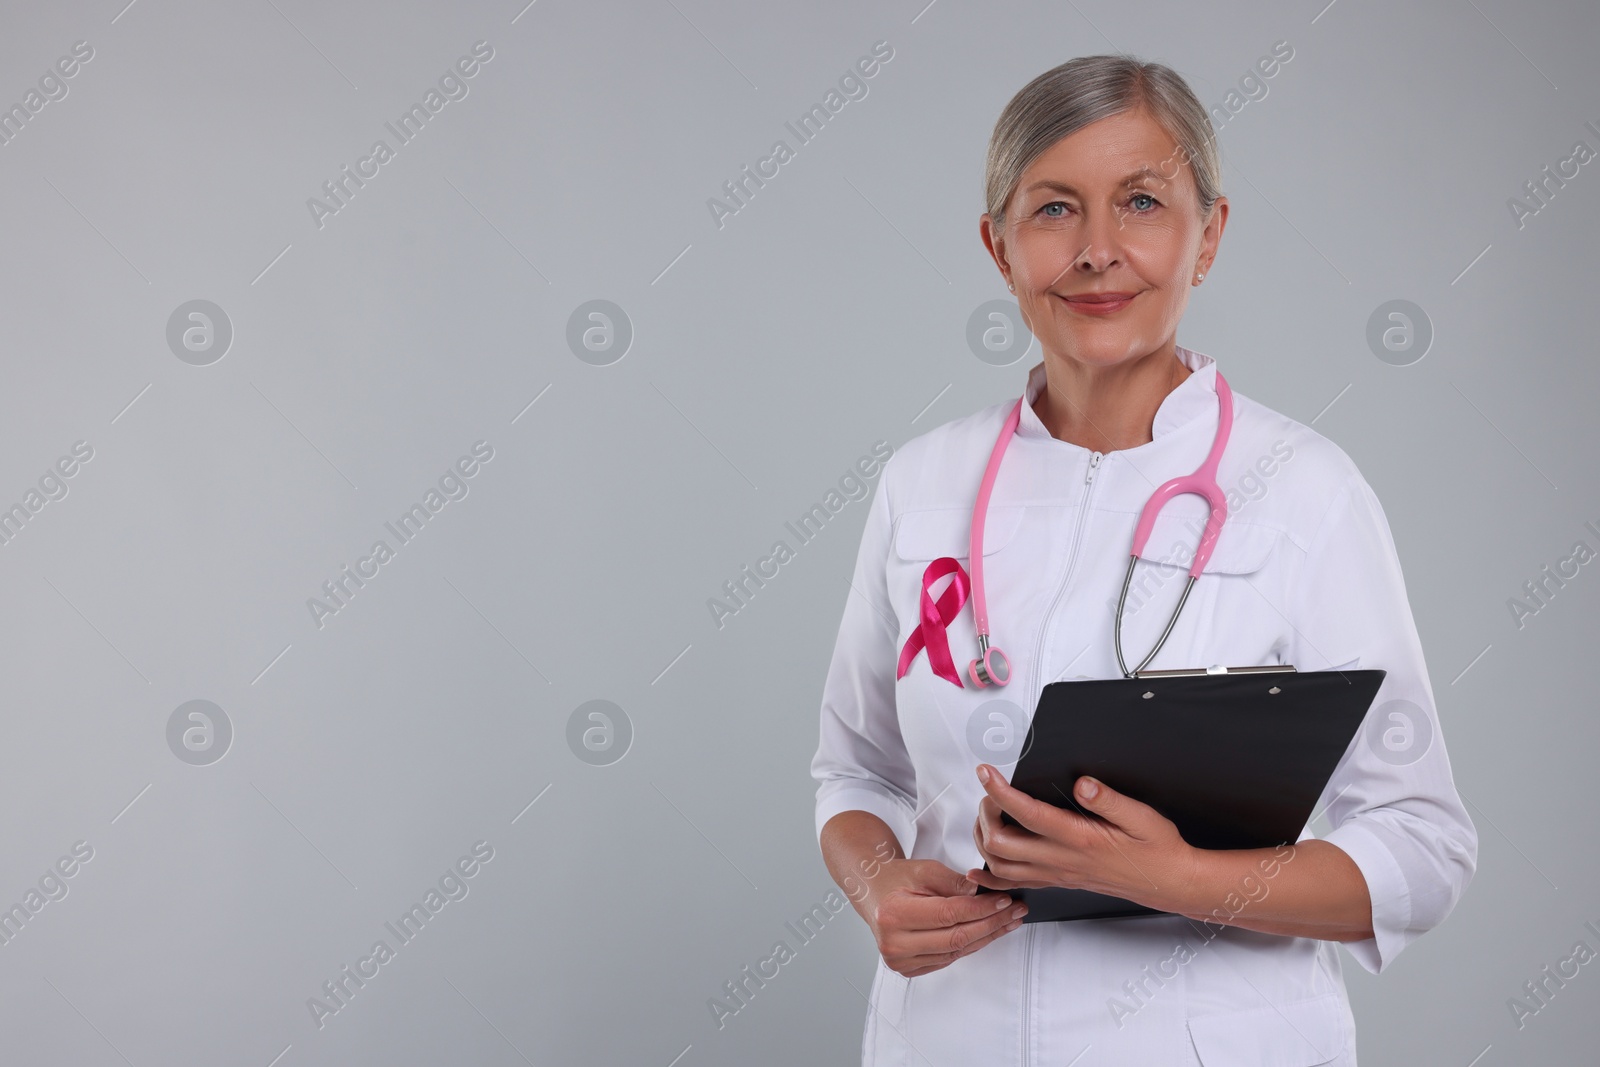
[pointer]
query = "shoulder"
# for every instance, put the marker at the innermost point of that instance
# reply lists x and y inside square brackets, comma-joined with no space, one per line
[1280,472]
[922,470]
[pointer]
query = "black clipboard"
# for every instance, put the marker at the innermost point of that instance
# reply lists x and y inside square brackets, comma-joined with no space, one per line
[1234,759]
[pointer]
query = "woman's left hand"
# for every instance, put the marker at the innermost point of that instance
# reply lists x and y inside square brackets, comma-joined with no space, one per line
[1111,844]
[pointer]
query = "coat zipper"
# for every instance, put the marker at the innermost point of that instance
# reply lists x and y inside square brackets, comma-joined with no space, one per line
[1038,660]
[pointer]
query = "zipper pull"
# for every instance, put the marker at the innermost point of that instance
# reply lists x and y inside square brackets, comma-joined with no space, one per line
[1094,461]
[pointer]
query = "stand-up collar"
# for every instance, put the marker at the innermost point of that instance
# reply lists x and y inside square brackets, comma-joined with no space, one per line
[1196,395]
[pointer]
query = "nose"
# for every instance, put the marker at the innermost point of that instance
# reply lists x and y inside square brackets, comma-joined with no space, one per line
[1102,237]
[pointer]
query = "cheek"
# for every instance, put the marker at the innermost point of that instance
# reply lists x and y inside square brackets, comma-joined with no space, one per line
[1166,308]
[1163,254]
[1037,260]
[1166,265]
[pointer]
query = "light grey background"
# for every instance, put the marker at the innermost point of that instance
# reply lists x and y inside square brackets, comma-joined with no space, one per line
[768,354]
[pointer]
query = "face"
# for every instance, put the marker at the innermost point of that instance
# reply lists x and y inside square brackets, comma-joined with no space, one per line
[1073,228]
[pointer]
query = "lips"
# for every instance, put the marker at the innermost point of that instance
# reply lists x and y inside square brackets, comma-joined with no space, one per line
[1100,298]
[1104,303]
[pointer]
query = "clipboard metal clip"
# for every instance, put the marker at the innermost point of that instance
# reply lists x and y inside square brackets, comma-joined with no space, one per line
[1189,672]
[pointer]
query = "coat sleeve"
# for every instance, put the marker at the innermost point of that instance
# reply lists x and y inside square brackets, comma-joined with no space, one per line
[861,761]
[1392,801]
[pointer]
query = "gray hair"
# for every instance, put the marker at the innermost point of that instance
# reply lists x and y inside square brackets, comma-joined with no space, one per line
[1067,98]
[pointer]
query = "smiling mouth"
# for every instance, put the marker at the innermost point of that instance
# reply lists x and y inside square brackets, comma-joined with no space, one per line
[1099,306]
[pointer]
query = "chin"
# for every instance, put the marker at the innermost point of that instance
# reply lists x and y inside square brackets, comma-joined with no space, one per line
[1104,348]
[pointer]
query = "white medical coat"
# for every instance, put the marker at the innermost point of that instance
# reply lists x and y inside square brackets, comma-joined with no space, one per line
[1304,572]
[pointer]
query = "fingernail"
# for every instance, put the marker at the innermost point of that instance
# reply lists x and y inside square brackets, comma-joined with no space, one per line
[983,773]
[1088,788]
[1021,910]
[1001,903]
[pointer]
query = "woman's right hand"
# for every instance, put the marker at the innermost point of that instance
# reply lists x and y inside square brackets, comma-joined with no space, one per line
[926,916]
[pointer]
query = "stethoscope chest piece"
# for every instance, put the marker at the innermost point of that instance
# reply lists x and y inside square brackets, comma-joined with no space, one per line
[991,667]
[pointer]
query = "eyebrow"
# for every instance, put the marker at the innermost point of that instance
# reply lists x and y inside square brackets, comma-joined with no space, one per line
[1141,175]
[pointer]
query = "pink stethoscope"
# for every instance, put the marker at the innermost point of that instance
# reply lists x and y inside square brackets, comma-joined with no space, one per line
[992,667]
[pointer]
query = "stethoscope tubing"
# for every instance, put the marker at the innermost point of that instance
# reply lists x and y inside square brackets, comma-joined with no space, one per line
[1203,483]
[980,510]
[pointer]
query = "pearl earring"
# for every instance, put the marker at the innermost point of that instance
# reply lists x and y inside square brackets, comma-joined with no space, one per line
[1012,286]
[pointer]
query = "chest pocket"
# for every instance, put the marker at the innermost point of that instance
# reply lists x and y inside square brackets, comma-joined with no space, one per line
[928,535]
[1226,620]
[1241,548]
[924,536]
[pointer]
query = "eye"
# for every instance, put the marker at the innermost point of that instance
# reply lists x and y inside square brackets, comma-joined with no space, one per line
[1054,203]
[1144,196]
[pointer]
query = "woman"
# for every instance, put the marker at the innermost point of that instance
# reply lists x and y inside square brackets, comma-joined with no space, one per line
[1103,211]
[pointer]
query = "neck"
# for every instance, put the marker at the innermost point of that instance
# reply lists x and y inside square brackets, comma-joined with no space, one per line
[1106,409]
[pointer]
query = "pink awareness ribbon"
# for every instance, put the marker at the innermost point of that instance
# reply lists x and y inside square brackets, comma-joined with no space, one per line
[936,617]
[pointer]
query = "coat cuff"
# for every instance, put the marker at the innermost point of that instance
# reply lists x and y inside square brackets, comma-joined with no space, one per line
[836,795]
[1386,885]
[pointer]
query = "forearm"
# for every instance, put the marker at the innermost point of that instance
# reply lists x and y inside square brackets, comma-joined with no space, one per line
[855,845]
[1312,889]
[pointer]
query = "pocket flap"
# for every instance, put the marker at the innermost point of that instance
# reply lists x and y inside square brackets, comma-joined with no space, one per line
[948,532]
[1300,1034]
[1241,547]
